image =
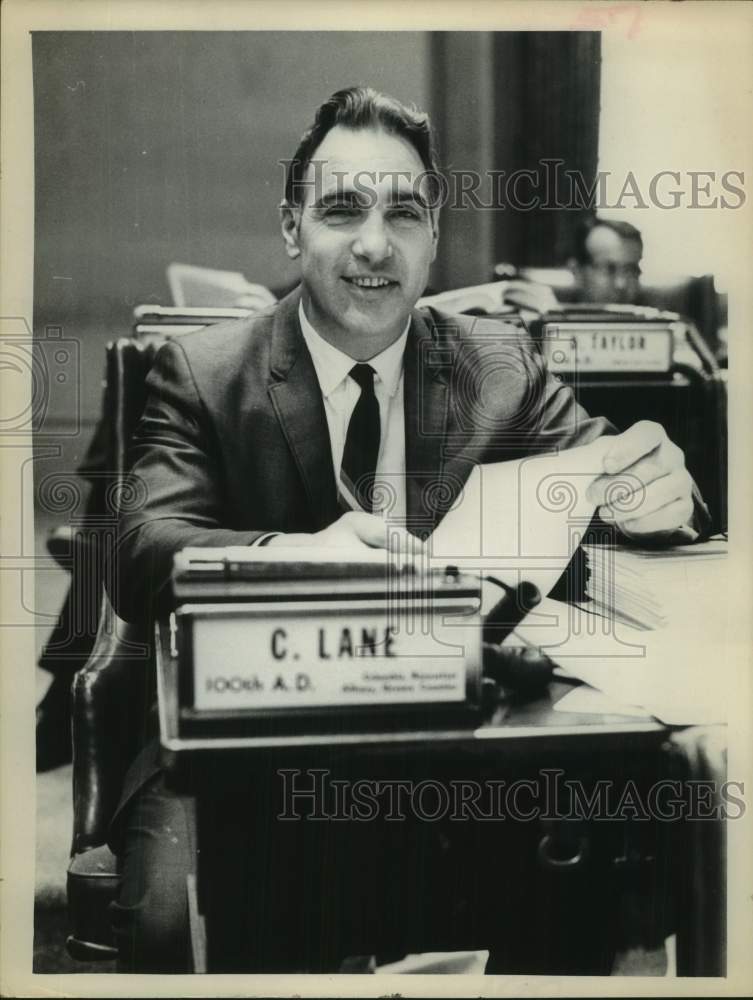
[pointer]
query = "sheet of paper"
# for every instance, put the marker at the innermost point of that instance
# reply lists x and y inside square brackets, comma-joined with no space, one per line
[590,701]
[679,673]
[191,285]
[517,520]
[523,519]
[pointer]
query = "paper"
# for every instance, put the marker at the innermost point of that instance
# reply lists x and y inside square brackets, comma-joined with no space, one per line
[679,672]
[585,700]
[640,585]
[208,286]
[524,519]
[517,520]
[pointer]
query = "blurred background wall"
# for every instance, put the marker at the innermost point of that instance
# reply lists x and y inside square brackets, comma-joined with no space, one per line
[152,147]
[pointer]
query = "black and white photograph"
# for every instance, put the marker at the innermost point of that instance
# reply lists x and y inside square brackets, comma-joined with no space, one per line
[375,500]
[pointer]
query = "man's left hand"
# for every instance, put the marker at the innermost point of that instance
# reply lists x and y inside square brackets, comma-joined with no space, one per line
[646,491]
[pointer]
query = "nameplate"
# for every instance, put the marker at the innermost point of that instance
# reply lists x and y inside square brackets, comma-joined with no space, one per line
[607,347]
[305,656]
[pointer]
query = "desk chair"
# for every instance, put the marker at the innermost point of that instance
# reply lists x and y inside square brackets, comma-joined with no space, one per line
[153,324]
[111,698]
[113,692]
[110,693]
[78,548]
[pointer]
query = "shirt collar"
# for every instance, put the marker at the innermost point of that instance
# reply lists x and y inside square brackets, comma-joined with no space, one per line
[332,365]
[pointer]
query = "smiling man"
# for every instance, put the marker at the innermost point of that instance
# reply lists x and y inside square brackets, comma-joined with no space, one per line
[342,411]
[366,237]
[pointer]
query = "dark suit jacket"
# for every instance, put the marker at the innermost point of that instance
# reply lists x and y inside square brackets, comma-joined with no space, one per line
[234,440]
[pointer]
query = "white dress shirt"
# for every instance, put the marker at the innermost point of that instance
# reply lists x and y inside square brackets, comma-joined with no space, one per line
[340,394]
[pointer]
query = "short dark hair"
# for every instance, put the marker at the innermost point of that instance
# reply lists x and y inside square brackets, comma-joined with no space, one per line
[623,229]
[358,108]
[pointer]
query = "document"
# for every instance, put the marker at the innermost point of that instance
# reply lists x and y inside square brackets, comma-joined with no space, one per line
[639,585]
[517,520]
[209,286]
[523,519]
[679,670]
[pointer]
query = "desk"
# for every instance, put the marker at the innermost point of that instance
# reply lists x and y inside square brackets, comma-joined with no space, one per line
[545,894]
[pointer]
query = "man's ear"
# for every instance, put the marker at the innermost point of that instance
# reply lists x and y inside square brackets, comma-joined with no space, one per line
[434,235]
[290,218]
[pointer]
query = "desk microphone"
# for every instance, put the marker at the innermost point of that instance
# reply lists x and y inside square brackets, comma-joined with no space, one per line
[510,610]
[525,671]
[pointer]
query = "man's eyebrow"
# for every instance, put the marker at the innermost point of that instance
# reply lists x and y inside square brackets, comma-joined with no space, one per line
[354,196]
[409,198]
[338,196]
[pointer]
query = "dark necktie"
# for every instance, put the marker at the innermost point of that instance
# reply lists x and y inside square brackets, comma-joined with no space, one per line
[362,442]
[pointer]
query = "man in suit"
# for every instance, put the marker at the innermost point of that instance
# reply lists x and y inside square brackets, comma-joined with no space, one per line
[341,411]
[607,261]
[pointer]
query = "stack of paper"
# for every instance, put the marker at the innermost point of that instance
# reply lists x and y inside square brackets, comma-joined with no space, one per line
[207,286]
[681,670]
[636,586]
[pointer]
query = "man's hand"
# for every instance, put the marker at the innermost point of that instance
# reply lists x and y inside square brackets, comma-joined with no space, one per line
[494,296]
[646,489]
[529,295]
[356,529]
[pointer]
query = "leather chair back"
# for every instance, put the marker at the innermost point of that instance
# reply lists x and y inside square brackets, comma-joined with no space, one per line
[113,692]
[128,362]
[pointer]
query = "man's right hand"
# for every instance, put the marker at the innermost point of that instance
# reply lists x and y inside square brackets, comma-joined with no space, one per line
[356,529]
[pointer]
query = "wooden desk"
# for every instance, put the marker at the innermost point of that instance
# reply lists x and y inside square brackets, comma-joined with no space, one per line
[546,893]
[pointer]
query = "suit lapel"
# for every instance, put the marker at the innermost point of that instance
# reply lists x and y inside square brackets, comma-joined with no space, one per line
[296,397]
[426,401]
[297,400]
